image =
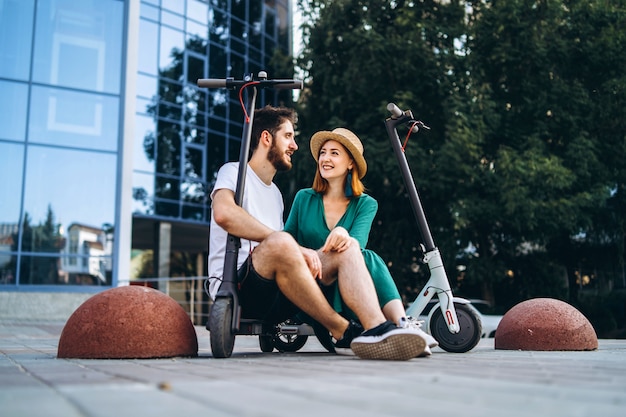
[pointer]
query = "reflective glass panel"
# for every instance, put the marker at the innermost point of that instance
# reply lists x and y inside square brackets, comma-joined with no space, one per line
[149,12]
[13,105]
[11,170]
[8,265]
[143,193]
[197,10]
[173,20]
[177,6]
[90,269]
[146,86]
[193,212]
[197,30]
[194,161]
[64,187]
[143,153]
[16,34]
[79,44]
[170,53]
[83,120]
[147,59]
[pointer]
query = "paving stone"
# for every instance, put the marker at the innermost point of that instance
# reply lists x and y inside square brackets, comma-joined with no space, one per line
[484,382]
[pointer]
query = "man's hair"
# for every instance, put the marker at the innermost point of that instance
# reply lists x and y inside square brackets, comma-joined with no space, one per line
[269,118]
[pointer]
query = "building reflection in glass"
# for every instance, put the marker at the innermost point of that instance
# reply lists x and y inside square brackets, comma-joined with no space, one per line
[61,104]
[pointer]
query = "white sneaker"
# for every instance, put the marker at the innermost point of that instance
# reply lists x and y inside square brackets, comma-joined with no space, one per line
[413,323]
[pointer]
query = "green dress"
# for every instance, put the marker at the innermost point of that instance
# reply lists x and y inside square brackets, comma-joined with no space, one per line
[307,224]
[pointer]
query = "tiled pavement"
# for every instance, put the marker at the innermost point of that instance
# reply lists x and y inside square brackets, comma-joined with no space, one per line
[311,382]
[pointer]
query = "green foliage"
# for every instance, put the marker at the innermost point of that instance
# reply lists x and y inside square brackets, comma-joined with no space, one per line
[527,105]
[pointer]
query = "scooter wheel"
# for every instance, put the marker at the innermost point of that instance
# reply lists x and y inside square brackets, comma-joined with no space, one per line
[289,342]
[468,336]
[266,343]
[220,328]
[284,342]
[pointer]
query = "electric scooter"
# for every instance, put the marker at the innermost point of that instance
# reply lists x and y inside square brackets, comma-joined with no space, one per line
[453,321]
[225,315]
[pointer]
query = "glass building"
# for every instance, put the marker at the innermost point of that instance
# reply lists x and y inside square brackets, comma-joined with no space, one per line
[108,149]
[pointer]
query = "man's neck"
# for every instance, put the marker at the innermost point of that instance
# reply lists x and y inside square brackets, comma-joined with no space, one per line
[262,168]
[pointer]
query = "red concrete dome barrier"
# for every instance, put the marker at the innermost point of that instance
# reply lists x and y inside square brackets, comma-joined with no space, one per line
[545,324]
[127,323]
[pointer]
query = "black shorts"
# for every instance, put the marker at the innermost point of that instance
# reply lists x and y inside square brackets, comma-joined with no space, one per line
[260,297]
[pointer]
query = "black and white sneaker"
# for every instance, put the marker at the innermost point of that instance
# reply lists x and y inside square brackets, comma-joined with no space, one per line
[342,346]
[389,342]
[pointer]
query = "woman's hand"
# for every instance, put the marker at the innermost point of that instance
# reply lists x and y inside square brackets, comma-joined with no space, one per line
[338,240]
[313,261]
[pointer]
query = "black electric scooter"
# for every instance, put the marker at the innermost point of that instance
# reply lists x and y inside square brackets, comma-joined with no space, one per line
[225,320]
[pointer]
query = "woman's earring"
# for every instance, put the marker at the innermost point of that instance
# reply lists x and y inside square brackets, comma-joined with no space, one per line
[348,189]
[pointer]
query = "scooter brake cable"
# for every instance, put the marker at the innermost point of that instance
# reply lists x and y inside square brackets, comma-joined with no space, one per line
[243,106]
[406,140]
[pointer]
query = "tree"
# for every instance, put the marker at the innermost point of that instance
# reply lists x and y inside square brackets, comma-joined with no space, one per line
[521,175]
[549,67]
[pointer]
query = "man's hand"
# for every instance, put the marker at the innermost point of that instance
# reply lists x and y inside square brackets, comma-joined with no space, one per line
[338,240]
[313,261]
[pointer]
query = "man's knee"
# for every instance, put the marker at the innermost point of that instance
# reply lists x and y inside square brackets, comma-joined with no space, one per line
[278,245]
[281,241]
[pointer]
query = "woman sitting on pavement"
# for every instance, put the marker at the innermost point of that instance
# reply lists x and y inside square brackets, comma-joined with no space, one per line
[336,213]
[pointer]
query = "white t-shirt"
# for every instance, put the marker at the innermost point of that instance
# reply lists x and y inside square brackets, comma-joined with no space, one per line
[262,201]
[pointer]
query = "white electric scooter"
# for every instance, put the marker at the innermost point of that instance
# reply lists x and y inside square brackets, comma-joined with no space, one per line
[452,321]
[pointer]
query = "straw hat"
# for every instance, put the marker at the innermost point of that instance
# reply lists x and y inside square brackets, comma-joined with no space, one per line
[346,138]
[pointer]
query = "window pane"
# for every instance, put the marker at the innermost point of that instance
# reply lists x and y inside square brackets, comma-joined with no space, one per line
[170,54]
[146,86]
[149,12]
[64,187]
[197,10]
[68,118]
[79,44]
[194,159]
[11,167]
[147,59]
[174,5]
[8,265]
[172,19]
[143,153]
[89,269]
[13,105]
[143,193]
[193,192]
[198,31]
[192,212]
[16,33]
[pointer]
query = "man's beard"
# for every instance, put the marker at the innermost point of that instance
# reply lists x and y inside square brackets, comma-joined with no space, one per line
[277,159]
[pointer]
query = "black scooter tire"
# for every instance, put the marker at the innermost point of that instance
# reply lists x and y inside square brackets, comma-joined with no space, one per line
[468,336]
[220,328]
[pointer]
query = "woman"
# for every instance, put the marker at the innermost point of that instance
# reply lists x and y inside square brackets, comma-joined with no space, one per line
[336,213]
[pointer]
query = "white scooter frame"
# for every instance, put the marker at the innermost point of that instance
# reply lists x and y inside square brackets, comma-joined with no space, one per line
[453,321]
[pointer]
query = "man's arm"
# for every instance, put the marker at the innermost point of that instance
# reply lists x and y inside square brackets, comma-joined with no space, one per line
[235,220]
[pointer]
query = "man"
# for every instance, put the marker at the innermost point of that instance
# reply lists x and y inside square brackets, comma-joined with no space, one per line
[277,276]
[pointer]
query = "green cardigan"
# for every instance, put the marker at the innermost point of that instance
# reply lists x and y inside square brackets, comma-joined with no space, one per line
[307,224]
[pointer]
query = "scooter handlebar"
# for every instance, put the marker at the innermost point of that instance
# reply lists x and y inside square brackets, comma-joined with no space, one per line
[395,110]
[212,83]
[232,83]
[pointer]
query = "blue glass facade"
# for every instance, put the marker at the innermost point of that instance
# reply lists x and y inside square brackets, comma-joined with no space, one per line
[102,129]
